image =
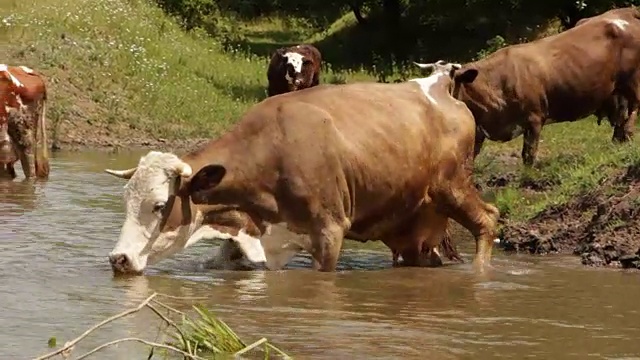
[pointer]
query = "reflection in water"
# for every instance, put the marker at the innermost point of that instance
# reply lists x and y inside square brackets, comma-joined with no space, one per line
[55,281]
[18,196]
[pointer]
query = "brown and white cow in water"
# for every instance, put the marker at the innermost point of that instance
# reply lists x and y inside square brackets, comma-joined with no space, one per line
[564,77]
[293,68]
[326,162]
[23,134]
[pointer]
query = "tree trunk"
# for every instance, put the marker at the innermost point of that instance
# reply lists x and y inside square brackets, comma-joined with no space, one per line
[357,12]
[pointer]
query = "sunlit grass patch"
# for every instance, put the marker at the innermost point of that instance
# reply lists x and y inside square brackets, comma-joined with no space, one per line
[573,158]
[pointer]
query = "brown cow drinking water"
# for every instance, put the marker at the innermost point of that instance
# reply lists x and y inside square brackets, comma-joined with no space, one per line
[22,121]
[361,161]
[293,68]
[564,77]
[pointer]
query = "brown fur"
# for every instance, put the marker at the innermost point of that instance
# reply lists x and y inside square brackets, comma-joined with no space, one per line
[328,162]
[22,122]
[564,77]
[278,68]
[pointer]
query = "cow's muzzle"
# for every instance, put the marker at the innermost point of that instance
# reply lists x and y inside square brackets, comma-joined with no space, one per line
[121,265]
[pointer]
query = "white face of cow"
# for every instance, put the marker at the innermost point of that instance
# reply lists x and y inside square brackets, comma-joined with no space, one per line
[150,184]
[144,241]
[296,61]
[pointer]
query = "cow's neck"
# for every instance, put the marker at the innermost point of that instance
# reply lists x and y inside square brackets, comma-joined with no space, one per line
[249,172]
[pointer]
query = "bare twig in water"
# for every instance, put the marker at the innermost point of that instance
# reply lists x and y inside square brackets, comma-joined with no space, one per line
[166,319]
[208,334]
[71,343]
[150,343]
[168,307]
[184,298]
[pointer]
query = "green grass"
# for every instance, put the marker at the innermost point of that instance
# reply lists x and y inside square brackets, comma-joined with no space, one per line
[125,65]
[210,337]
[573,158]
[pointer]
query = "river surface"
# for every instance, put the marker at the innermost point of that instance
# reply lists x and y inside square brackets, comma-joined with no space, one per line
[55,281]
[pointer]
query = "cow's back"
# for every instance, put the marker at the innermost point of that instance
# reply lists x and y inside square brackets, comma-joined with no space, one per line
[370,116]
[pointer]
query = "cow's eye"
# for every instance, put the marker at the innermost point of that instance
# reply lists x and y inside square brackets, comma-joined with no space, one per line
[159,206]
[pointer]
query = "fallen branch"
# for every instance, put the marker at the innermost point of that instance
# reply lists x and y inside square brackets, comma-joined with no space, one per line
[71,343]
[206,334]
[152,344]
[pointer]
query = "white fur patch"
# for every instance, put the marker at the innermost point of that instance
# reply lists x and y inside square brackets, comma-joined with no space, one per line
[250,246]
[26,69]
[295,60]
[5,69]
[620,23]
[426,84]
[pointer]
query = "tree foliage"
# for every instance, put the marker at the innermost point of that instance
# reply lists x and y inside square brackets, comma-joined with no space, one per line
[390,33]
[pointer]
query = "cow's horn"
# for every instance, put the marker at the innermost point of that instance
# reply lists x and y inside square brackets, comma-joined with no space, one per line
[183,169]
[423,66]
[125,174]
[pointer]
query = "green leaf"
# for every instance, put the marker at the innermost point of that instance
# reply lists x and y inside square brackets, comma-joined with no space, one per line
[52,342]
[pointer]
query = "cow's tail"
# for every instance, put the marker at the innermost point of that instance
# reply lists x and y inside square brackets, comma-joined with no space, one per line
[448,248]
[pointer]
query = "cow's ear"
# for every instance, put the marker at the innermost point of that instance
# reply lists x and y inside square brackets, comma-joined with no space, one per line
[466,76]
[206,179]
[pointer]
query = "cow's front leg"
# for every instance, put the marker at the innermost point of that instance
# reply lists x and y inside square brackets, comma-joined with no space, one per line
[531,141]
[23,138]
[479,141]
[624,126]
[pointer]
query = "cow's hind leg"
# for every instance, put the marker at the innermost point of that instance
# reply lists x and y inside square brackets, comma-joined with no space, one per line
[462,202]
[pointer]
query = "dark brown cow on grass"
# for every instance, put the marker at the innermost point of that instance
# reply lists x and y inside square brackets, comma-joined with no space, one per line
[23,97]
[361,161]
[564,77]
[293,68]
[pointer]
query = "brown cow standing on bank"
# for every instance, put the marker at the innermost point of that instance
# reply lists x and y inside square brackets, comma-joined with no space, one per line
[293,68]
[564,77]
[616,107]
[361,161]
[23,97]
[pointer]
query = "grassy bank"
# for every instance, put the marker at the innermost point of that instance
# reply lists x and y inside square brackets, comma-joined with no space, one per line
[122,71]
[573,158]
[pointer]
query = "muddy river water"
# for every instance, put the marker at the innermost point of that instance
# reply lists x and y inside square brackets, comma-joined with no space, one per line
[55,281]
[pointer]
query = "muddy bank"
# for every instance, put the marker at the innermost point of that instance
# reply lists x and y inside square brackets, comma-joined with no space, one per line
[601,226]
[77,135]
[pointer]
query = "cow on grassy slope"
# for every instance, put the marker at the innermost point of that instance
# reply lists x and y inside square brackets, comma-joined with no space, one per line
[293,68]
[564,77]
[362,161]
